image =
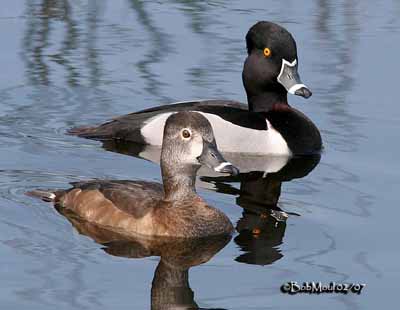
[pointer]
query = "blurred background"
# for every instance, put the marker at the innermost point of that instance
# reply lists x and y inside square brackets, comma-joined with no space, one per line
[67,63]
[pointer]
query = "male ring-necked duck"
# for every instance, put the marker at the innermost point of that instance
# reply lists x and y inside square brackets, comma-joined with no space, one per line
[145,208]
[267,126]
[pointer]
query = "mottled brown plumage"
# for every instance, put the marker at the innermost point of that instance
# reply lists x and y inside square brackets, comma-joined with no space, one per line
[171,209]
[138,208]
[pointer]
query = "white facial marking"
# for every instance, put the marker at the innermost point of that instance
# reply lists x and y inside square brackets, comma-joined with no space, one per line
[295,87]
[222,165]
[196,148]
[52,196]
[289,64]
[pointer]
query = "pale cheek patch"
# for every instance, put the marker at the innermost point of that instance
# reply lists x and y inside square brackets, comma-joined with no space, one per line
[196,148]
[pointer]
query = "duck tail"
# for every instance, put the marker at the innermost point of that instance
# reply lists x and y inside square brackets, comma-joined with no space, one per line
[83,131]
[101,133]
[43,194]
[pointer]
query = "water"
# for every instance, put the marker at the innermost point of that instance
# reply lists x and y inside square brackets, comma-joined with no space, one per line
[67,63]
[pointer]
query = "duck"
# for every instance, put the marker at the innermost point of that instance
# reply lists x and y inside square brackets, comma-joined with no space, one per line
[141,208]
[266,125]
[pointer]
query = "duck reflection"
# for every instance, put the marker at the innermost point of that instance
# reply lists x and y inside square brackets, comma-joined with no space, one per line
[55,36]
[262,225]
[170,286]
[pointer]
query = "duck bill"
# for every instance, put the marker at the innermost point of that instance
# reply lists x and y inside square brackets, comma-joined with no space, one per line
[290,79]
[213,159]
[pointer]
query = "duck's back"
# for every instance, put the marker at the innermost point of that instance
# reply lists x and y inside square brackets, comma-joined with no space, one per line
[120,205]
[140,126]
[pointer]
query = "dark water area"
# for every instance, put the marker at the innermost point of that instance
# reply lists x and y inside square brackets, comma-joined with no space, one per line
[67,63]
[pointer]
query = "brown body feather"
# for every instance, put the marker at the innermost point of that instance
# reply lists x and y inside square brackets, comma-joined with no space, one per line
[138,208]
[146,208]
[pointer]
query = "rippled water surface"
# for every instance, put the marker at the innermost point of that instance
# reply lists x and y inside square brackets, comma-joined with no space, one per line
[67,63]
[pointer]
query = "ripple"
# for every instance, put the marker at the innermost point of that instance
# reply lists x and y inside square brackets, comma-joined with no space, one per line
[15,183]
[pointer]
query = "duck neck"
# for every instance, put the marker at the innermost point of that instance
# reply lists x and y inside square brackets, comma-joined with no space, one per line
[170,288]
[179,181]
[167,276]
[265,101]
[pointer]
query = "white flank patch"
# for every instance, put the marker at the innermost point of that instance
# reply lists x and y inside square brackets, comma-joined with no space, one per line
[229,137]
[234,138]
[153,130]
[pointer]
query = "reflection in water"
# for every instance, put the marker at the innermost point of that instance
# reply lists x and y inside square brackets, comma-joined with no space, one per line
[35,40]
[260,236]
[159,49]
[91,54]
[42,37]
[170,286]
[69,43]
[262,226]
[197,14]
[339,44]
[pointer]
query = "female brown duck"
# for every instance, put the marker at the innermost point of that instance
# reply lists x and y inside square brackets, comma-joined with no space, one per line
[147,208]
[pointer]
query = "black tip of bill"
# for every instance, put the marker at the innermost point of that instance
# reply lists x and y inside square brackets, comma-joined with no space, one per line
[303,92]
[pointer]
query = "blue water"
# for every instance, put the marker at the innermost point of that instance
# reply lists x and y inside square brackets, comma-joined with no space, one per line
[67,63]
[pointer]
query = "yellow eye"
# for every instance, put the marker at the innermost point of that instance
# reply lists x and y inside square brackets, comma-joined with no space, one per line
[186,134]
[267,52]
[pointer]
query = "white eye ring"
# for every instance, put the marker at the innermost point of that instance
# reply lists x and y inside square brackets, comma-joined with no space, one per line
[186,134]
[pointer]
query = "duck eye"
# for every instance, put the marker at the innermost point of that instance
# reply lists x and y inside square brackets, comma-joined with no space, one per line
[267,52]
[186,134]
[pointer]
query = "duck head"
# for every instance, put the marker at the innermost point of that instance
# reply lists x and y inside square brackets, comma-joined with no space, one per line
[270,70]
[189,141]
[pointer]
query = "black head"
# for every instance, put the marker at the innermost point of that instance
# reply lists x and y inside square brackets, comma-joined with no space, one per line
[271,64]
[189,141]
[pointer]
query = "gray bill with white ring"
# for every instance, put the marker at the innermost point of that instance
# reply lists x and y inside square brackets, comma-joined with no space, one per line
[290,79]
[213,159]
